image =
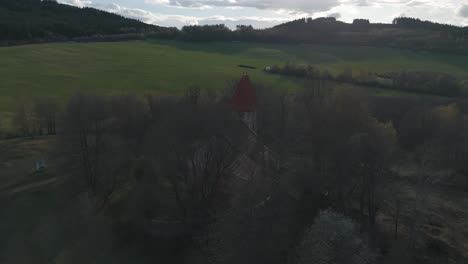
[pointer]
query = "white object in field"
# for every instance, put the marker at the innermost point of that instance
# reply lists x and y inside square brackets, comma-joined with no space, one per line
[40,165]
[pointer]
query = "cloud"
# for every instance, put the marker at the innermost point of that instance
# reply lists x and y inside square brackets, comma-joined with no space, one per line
[78,3]
[362,3]
[416,3]
[181,20]
[173,20]
[272,12]
[232,22]
[463,11]
[308,6]
[150,17]
[335,15]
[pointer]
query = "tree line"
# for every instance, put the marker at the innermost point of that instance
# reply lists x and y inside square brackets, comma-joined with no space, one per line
[34,117]
[442,84]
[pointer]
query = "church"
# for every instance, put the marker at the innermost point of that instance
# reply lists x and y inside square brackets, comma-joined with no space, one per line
[244,102]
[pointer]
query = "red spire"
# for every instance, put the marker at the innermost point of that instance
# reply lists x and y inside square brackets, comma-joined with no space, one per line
[244,98]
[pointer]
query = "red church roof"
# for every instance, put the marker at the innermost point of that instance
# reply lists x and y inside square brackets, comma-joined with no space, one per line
[244,98]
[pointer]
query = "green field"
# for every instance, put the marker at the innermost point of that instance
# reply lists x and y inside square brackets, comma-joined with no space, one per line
[62,69]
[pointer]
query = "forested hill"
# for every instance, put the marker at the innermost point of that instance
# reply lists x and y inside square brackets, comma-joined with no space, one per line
[36,20]
[402,33]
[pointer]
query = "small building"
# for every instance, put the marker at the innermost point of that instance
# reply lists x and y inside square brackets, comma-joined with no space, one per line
[244,102]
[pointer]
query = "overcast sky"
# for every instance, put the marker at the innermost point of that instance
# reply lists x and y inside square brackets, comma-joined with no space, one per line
[267,13]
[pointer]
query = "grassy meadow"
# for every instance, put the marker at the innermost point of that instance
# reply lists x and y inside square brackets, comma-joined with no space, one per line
[167,67]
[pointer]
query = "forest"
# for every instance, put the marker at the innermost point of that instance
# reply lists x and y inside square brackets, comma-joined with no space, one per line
[24,21]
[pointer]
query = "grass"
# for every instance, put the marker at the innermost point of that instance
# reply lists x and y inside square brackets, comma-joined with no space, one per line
[52,224]
[24,213]
[167,67]
[18,157]
[22,216]
[32,228]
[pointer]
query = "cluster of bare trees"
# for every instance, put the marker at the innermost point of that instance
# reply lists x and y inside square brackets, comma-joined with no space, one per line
[351,153]
[35,117]
[186,143]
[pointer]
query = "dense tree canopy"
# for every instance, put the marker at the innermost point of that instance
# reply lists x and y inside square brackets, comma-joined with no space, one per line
[28,20]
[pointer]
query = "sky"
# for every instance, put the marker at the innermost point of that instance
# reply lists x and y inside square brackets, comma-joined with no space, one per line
[267,13]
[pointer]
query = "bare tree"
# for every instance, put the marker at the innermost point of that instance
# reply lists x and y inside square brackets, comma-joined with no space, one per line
[200,176]
[89,139]
[333,118]
[372,151]
[45,110]
[395,205]
[23,118]
[426,155]
[195,150]
[192,96]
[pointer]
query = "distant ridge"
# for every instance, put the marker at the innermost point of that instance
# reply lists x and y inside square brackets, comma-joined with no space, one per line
[33,21]
[404,32]
[42,21]
[406,22]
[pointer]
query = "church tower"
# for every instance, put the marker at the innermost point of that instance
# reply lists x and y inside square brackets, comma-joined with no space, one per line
[244,102]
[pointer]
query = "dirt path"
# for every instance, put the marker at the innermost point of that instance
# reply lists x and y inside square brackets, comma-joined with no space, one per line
[30,186]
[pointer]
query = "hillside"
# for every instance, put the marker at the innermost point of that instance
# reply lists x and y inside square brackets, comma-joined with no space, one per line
[405,33]
[36,20]
[402,33]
